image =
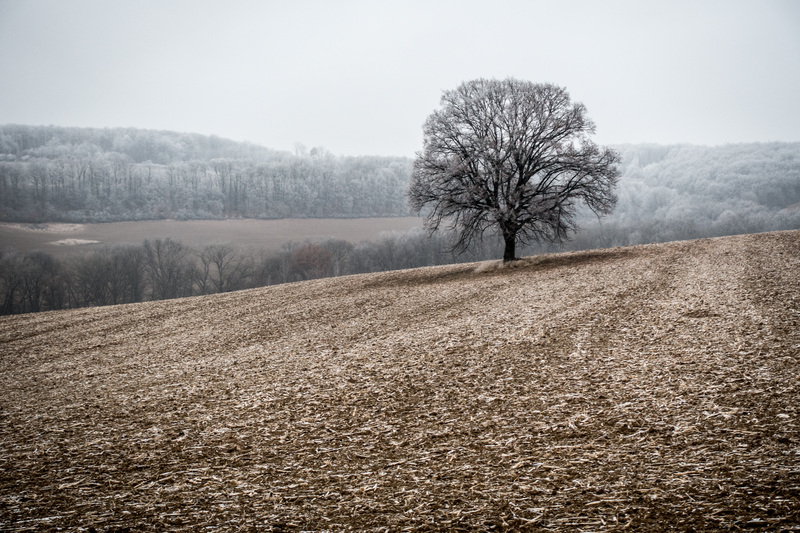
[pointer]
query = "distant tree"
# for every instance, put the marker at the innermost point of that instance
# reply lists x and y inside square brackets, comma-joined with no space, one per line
[300,149]
[271,268]
[40,271]
[134,270]
[340,250]
[223,269]
[385,253]
[202,274]
[311,261]
[30,283]
[90,279]
[11,279]
[513,156]
[169,268]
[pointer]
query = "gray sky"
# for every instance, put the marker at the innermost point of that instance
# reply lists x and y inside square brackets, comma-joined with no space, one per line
[361,77]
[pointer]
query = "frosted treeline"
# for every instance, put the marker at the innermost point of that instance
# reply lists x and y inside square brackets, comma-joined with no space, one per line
[166,268]
[669,193]
[94,175]
[108,175]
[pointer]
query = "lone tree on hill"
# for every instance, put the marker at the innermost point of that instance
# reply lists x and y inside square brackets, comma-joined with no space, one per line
[514,156]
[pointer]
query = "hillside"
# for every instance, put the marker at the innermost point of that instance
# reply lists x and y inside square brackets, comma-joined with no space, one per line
[646,388]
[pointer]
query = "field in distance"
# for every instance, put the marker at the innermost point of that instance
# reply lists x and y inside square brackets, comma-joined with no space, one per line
[61,239]
[647,388]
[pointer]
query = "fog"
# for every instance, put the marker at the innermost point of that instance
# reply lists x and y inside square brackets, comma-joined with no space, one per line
[359,78]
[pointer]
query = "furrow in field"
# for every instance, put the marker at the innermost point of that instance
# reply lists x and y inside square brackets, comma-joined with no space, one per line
[644,388]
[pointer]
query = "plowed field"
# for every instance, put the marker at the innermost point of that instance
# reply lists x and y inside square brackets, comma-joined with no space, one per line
[648,388]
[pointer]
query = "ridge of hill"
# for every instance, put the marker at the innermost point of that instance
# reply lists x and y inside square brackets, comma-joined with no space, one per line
[645,388]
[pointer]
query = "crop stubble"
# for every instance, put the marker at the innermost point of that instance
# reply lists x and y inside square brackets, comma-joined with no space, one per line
[647,388]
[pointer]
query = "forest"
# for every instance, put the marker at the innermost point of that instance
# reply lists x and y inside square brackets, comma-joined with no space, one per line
[50,174]
[680,192]
[166,268]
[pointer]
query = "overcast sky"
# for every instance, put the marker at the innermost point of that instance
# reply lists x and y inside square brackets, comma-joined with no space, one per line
[361,77]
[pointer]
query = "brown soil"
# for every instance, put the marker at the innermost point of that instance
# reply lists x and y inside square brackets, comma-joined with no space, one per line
[648,388]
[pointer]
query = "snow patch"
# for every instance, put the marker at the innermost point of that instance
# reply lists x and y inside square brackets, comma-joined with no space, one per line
[73,242]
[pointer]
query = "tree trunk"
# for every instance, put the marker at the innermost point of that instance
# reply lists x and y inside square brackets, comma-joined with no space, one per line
[511,244]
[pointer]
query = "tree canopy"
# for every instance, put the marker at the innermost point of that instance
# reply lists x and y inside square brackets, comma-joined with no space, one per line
[512,156]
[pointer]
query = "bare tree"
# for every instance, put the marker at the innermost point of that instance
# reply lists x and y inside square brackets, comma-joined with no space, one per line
[202,275]
[340,250]
[134,270]
[311,261]
[233,270]
[272,268]
[169,268]
[11,279]
[512,156]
